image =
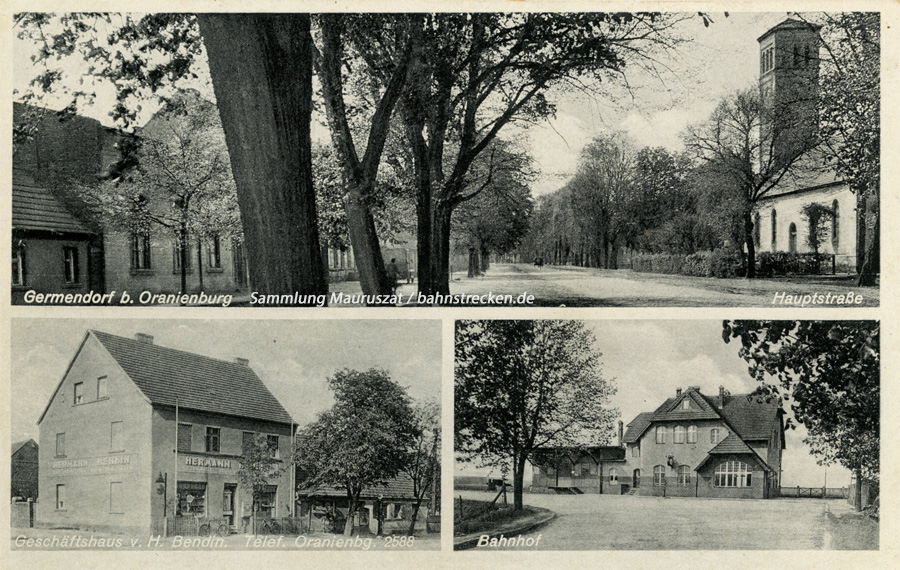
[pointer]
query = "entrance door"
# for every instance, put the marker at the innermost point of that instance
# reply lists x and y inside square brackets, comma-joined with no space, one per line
[228,503]
[636,481]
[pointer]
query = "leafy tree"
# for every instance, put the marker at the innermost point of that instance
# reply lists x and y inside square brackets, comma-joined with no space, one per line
[817,217]
[754,146]
[828,372]
[362,441]
[423,464]
[258,466]
[522,385]
[260,67]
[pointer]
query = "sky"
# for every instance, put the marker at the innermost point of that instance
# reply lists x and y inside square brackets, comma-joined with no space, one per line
[293,358]
[715,61]
[650,359]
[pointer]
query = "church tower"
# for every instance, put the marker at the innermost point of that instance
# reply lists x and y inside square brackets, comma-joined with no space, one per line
[788,81]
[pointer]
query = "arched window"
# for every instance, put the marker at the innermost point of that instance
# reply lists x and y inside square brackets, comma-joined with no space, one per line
[659,476]
[835,226]
[613,475]
[756,234]
[692,434]
[792,238]
[679,434]
[774,231]
[684,475]
[714,435]
[660,434]
[732,474]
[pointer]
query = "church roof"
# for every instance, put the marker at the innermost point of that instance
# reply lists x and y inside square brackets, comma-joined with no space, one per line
[789,24]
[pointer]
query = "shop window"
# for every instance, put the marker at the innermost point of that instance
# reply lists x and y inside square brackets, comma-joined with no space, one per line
[660,434]
[732,474]
[659,476]
[61,445]
[684,475]
[191,498]
[116,437]
[613,476]
[79,392]
[212,439]
[18,265]
[692,434]
[272,442]
[102,388]
[116,501]
[70,264]
[60,497]
[266,507]
[140,251]
[184,437]
[679,434]
[215,253]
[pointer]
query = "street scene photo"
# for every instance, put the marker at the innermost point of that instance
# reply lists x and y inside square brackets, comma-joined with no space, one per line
[158,434]
[446,159]
[582,435]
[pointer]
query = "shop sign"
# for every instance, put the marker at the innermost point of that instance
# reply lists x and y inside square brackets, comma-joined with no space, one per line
[94,465]
[208,464]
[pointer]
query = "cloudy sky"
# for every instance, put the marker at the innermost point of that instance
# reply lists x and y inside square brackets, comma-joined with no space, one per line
[649,360]
[715,61]
[293,358]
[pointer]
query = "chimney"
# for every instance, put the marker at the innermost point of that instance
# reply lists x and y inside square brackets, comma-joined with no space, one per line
[242,361]
[146,338]
[621,437]
[721,397]
[677,392]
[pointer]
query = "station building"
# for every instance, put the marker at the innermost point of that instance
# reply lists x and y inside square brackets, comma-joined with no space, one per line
[136,433]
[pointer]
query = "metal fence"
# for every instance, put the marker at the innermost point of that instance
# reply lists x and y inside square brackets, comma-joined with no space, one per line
[201,526]
[815,492]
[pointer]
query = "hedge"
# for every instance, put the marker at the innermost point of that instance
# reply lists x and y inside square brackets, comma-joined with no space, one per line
[718,263]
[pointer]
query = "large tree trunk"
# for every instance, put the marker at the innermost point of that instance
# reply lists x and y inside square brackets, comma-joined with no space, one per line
[373,276]
[261,68]
[751,244]
[440,248]
[473,263]
[518,483]
[485,259]
[415,516]
[870,265]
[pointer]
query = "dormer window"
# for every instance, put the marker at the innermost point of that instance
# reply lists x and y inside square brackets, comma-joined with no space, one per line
[685,404]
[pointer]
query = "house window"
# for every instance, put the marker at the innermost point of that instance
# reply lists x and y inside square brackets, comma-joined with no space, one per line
[272,441]
[732,474]
[116,437]
[614,476]
[61,445]
[685,404]
[70,264]
[212,439]
[191,498]
[679,434]
[659,476]
[140,251]
[792,238]
[184,437]
[267,501]
[835,226]
[774,230]
[660,434]
[60,497]
[102,390]
[116,502]
[215,253]
[18,265]
[79,392]
[684,475]
[714,435]
[692,434]
[636,450]
[176,256]
[247,439]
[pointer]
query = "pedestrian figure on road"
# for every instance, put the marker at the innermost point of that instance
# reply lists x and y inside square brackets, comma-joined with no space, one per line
[392,273]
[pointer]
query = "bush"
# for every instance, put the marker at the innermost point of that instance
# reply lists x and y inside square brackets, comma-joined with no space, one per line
[718,263]
[783,263]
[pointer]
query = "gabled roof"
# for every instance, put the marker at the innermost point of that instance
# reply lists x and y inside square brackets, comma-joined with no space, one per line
[671,409]
[733,445]
[789,24]
[400,487]
[545,455]
[35,208]
[20,444]
[637,427]
[751,417]
[166,376]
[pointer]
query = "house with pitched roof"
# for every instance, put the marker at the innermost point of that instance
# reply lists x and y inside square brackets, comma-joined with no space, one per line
[136,433]
[578,470]
[23,470]
[694,445]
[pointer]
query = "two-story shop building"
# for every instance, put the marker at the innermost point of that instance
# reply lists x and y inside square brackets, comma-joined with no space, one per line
[136,433]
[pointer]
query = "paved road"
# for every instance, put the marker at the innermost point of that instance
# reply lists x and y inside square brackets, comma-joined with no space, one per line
[580,287]
[623,522]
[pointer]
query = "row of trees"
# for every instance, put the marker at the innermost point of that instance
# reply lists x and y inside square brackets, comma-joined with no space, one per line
[373,433]
[448,83]
[650,200]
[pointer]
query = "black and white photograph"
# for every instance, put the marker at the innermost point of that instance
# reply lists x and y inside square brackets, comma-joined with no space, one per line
[577,159]
[225,435]
[666,435]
